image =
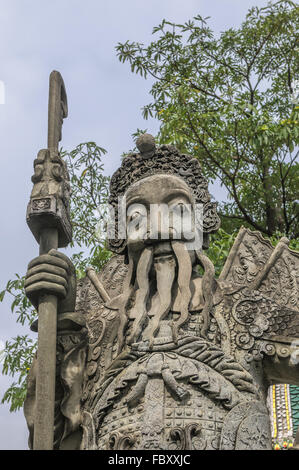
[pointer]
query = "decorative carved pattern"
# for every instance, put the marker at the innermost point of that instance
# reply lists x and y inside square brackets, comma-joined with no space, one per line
[260,305]
[117,441]
[50,197]
[41,204]
[187,438]
[263,316]
[246,427]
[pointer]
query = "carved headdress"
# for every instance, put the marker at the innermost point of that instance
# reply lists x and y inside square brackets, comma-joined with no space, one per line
[165,159]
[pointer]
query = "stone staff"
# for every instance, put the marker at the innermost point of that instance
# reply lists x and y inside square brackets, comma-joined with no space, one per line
[48,217]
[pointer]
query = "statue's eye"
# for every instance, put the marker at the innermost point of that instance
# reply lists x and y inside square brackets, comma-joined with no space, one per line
[180,208]
[135,215]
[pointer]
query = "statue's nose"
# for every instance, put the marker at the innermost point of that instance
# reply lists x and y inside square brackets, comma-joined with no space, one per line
[159,235]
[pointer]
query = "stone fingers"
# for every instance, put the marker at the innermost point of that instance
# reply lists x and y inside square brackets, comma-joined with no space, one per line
[43,287]
[47,268]
[49,259]
[47,274]
[45,277]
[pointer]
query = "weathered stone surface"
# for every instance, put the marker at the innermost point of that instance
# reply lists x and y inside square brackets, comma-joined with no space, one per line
[156,356]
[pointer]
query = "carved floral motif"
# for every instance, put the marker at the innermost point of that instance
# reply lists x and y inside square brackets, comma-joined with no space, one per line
[187,438]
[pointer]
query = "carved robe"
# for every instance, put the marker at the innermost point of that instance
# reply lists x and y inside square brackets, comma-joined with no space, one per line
[202,392]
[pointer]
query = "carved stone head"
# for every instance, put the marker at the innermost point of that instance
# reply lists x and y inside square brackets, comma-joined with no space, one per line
[159,176]
[160,191]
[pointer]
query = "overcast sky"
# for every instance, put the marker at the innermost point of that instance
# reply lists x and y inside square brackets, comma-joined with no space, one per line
[78,38]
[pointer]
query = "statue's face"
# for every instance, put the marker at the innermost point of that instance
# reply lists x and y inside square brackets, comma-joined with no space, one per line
[160,214]
[159,209]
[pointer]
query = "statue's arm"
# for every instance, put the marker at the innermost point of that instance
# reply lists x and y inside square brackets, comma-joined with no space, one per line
[54,273]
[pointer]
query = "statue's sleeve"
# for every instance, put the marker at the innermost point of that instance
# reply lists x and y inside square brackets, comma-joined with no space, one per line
[260,306]
[70,365]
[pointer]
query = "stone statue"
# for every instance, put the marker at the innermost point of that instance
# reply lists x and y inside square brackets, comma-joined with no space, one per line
[151,354]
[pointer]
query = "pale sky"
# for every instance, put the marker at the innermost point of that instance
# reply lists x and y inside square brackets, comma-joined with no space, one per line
[105,100]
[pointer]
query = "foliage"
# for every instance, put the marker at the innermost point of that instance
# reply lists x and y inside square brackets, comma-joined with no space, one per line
[90,188]
[220,245]
[19,351]
[231,102]
[18,355]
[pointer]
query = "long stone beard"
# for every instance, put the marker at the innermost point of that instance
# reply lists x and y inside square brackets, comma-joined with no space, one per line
[170,268]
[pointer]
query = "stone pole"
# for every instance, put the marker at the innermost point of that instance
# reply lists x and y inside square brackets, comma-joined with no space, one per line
[48,219]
